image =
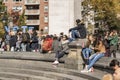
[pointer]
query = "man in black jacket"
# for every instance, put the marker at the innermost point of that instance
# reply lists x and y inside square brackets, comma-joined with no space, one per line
[79,31]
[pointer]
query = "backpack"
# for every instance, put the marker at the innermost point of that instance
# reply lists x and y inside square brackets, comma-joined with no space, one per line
[24,37]
[47,45]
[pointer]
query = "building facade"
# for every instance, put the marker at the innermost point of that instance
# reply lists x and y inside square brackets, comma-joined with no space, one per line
[36,11]
[51,16]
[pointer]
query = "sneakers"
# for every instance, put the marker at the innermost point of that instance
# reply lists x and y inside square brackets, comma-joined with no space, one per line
[84,70]
[91,69]
[55,62]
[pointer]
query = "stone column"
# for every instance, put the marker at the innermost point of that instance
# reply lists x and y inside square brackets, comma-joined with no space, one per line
[77,9]
[74,59]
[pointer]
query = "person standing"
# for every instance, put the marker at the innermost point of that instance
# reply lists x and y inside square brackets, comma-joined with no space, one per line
[13,40]
[113,38]
[34,42]
[7,41]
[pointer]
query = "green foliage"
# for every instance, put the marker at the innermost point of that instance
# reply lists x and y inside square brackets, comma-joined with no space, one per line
[105,10]
[1,29]
[2,10]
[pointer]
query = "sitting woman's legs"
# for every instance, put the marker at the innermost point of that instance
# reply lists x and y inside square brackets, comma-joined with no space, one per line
[94,59]
[86,54]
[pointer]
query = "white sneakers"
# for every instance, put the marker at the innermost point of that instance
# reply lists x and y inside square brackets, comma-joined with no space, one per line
[86,70]
[55,62]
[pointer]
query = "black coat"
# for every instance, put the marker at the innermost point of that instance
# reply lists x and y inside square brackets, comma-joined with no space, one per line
[34,43]
[81,29]
[13,40]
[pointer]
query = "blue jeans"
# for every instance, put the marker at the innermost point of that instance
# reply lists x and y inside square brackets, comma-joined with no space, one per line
[75,34]
[23,46]
[93,58]
[86,53]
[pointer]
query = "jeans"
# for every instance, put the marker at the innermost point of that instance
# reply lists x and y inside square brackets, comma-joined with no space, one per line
[59,54]
[93,58]
[86,52]
[23,46]
[75,34]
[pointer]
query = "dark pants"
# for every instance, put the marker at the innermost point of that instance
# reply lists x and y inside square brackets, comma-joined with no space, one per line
[28,47]
[107,54]
[113,50]
[59,54]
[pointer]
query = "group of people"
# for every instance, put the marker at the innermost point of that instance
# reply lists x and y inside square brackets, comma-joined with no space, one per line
[97,46]
[19,41]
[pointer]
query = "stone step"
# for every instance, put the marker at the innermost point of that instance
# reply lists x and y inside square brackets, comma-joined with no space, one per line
[53,75]
[23,76]
[36,56]
[104,62]
[43,62]
[48,67]
[3,78]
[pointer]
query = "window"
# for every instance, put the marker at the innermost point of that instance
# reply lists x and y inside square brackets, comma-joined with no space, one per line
[46,29]
[5,0]
[46,0]
[46,19]
[17,0]
[46,8]
[17,8]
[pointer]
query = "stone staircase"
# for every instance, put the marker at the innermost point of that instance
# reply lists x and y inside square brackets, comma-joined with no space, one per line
[36,66]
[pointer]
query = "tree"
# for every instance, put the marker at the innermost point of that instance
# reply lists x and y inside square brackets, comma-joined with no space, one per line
[2,10]
[105,11]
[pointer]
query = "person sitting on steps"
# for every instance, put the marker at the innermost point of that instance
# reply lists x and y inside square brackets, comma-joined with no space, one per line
[88,49]
[95,57]
[65,49]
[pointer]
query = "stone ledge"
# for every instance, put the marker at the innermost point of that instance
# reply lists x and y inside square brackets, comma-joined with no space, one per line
[36,56]
[102,63]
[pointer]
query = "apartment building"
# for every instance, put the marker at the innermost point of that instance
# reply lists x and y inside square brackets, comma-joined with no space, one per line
[51,16]
[36,11]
